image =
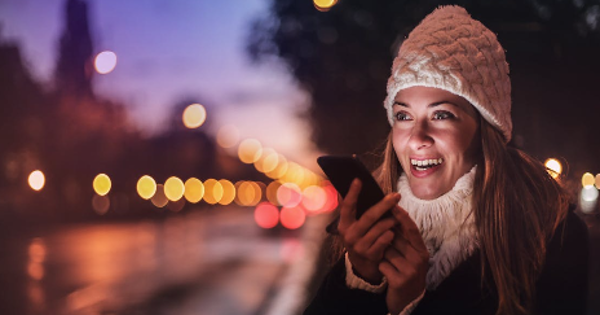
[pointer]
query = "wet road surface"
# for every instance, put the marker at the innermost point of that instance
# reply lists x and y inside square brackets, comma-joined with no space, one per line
[213,261]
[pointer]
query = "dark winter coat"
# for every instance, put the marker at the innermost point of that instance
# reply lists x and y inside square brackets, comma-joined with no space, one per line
[561,288]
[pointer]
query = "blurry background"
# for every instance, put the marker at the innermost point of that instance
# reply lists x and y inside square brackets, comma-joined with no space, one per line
[158,157]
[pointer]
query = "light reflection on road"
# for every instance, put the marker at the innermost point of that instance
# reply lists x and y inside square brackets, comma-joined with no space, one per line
[218,262]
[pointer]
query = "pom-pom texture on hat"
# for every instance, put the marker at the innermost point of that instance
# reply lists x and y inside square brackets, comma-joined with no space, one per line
[451,51]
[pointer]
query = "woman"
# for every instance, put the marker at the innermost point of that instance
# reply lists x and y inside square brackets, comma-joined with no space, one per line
[478,227]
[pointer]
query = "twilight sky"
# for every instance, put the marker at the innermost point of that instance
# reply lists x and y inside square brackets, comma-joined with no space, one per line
[171,50]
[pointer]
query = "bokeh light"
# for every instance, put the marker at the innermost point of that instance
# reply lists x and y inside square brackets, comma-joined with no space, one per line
[174,188]
[279,170]
[249,151]
[213,191]
[244,194]
[100,204]
[588,199]
[194,116]
[324,5]
[228,136]
[294,174]
[332,201]
[36,180]
[37,255]
[159,199]
[105,62]
[268,161]
[248,193]
[588,180]
[266,215]
[598,181]
[292,218]
[35,271]
[554,167]
[194,190]
[146,187]
[37,250]
[289,195]
[102,184]
[176,206]
[589,193]
[228,192]
[271,192]
[314,198]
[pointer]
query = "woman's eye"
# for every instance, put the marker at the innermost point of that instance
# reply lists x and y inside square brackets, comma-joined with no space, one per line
[402,116]
[442,115]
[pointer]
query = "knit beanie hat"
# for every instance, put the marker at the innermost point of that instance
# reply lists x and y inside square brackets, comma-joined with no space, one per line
[451,51]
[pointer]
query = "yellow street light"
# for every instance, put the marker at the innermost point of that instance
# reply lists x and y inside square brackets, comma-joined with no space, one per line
[102,184]
[146,187]
[174,188]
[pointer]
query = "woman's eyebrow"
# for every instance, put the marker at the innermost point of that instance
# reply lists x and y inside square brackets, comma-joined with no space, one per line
[430,105]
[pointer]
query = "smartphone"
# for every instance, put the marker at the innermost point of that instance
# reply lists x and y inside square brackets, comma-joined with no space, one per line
[341,171]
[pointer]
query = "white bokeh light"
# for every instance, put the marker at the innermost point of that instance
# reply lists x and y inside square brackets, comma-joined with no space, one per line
[105,62]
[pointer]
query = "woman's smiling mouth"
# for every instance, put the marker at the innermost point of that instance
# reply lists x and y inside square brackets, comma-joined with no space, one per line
[423,165]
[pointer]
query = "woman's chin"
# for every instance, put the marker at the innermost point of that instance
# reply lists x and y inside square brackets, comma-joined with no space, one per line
[427,193]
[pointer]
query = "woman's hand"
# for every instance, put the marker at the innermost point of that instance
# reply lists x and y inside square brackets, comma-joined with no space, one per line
[366,238]
[405,264]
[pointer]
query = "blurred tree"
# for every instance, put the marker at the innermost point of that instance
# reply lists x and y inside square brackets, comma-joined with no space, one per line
[22,108]
[343,56]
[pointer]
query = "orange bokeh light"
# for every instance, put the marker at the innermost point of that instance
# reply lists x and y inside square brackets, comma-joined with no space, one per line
[159,199]
[213,191]
[248,193]
[194,190]
[249,151]
[228,192]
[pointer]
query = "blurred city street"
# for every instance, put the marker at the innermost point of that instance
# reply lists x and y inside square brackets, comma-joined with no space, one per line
[159,157]
[209,261]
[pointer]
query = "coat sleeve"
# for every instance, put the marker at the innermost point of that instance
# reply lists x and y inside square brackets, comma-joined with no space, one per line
[334,297]
[563,285]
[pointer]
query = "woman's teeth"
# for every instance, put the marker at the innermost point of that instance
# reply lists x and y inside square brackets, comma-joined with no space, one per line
[421,165]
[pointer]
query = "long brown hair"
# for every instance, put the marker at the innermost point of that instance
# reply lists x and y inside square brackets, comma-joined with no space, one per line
[517,207]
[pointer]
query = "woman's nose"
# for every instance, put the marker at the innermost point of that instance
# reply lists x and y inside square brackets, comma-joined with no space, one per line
[420,136]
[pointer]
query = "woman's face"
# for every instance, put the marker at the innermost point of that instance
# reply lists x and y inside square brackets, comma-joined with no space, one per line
[435,136]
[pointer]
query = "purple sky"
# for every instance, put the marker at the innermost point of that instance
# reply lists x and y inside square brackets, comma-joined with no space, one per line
[169,50]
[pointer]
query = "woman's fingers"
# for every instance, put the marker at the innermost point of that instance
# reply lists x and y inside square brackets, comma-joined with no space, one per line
[369,219]
[368,239]
[377,251]
[372,244]
[409,228]
[374,213]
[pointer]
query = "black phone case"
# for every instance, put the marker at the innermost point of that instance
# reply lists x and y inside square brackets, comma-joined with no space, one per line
[341,171]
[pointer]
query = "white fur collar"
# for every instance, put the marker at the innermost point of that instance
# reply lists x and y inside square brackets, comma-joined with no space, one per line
[446,224]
